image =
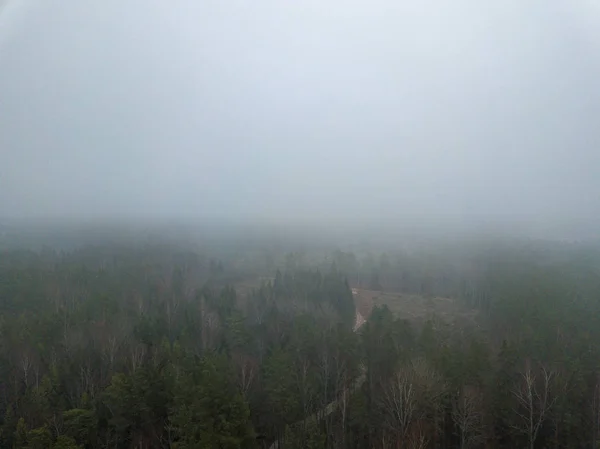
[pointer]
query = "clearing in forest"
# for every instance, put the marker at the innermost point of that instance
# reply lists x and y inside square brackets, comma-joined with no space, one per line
[414,308]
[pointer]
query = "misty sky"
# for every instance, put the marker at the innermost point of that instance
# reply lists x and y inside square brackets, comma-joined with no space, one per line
[301,110]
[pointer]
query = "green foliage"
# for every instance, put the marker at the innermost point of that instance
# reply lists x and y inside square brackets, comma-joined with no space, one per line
[7,430]
[21,434]
[65,442]
[136,403]
[39,438]
[128,347]
[208,411]
[279,377]
[80,425]
[304,437]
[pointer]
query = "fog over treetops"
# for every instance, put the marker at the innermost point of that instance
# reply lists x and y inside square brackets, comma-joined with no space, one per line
[455,112]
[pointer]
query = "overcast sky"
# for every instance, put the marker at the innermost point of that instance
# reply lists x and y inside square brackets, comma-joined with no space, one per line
[307,110]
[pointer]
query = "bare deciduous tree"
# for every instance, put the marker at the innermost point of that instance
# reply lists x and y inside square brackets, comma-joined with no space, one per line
[247,370]
[138,351]
[400,402]
[418,441]
[413,393]
[534,400]
[25,365]
[467,414]
[110,350]
[86,379]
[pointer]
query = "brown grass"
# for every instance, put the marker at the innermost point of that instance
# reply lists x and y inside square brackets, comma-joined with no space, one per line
[412,307]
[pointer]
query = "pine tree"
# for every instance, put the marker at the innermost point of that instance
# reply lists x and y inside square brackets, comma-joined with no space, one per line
[65,442]
[20,440]
[208,411]
[504,382]
[39,438]
[7,434]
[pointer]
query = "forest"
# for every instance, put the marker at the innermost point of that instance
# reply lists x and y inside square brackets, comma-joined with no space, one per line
[148,343]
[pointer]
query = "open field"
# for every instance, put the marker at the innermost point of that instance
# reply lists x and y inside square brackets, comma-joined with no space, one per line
[412,307]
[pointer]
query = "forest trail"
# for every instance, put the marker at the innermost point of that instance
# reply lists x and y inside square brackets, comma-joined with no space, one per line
[360,320]
[333,405]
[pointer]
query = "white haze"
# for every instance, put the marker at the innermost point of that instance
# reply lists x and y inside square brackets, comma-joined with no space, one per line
[439,112]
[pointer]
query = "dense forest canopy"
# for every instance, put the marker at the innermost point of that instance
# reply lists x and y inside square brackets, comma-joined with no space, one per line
[158,343]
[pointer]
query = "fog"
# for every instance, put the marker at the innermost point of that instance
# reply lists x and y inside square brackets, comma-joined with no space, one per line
[394,112]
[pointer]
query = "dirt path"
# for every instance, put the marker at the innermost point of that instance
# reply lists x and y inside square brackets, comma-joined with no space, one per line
[333,405]
[360,320]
